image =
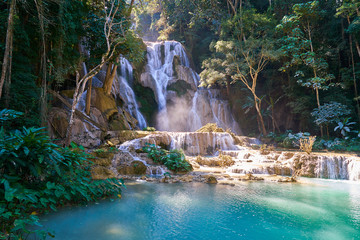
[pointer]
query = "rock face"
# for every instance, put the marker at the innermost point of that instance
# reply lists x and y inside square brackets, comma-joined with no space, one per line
[83,133]
[134,168]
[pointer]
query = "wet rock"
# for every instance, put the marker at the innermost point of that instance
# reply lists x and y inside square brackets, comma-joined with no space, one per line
[211,179]
[286,179]
[247,155]
[210,127]
[250,177]
[288,155]
[100,172]
[135,168]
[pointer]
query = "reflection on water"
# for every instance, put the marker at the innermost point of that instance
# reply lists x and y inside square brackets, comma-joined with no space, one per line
[316,209]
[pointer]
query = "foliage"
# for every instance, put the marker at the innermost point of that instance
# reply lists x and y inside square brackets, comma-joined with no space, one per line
[330,113]
[8,114]
[39,176]
[293,140]
[306,144]
[149,129]
[297,46]
[174,159]
[344,127]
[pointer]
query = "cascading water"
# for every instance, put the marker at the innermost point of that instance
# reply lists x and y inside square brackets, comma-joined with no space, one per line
[168,64]
[122,88]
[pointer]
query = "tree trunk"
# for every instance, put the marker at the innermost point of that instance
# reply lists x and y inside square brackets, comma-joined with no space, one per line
[43,96]
[110,75]
[354,74]
[8,79]
[88,97]
[318,103]
[8,45]
[258,109]
[228,81]
[72,113]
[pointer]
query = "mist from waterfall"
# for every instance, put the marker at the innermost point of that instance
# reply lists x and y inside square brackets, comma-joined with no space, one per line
[168,63]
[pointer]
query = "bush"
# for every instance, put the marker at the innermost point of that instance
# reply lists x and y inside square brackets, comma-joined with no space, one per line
[149,129]
[306,144]
[174,159]
[38,176]
[293,140]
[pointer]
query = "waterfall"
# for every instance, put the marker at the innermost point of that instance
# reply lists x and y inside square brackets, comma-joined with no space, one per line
[167,64]
[122,89]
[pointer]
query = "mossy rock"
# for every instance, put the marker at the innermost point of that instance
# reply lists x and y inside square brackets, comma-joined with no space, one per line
[135,168]
[105,162]
[68,93]
[105,103]
[100,172]
[211,180]
[58,119]
[180,87]
[148,105]
[210,127]
[103,153]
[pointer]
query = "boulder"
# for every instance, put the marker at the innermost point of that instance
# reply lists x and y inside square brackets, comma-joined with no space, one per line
[211,179]
[134,168]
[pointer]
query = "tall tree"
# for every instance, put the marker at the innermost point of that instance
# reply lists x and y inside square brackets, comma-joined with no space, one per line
[348,10]
[243,57]
[297,45]
[6,64]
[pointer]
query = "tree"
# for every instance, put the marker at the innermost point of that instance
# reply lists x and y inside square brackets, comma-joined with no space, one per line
[329,113]
[348,10]
[112,40]
[244,57]
[6,64]
[297,45]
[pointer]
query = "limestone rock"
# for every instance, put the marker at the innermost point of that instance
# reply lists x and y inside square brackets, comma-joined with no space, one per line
[135,168]
[100,172]
[250,177]
[211,179]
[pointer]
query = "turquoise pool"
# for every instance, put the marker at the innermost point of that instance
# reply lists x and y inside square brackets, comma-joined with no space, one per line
[316,209]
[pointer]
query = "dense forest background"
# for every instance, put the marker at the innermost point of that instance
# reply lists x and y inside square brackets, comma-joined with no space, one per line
[289,68]
[283,64]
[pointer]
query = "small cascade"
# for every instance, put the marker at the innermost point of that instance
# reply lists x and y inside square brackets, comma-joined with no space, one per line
[208,107]
[332,167]
[204,144]
[168,65]
[122,89]
[151,170]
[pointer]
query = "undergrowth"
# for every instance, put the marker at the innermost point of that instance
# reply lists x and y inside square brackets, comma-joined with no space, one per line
[174,159]
[38,176]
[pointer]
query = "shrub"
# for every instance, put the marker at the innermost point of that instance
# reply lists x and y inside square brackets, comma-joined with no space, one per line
[293,140]
[39,176]
[306,144]
[149,129]
[174,159]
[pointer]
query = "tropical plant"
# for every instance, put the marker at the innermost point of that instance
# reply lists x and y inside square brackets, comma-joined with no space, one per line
[344,127]
[38,176]
[174,159]
[293,140]
[329,113]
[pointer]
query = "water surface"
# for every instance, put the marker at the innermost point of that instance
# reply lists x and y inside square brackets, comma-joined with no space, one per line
[319,209]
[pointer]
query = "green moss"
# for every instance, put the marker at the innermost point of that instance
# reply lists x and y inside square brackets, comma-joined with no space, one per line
[180,87]
[148,105]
